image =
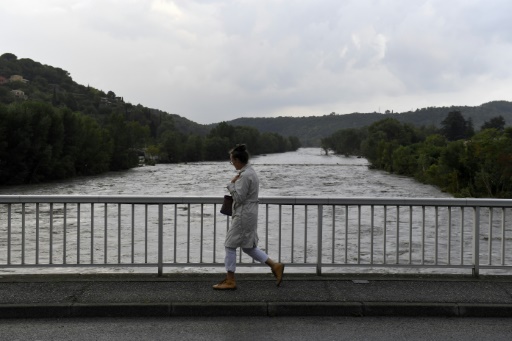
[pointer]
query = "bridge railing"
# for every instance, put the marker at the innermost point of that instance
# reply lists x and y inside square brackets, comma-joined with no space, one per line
[385,235]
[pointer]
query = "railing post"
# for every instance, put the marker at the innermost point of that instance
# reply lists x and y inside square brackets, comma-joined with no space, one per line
[476,241]
[160,239]
[319,240]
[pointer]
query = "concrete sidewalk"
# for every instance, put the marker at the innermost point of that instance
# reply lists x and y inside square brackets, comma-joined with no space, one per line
[29,296]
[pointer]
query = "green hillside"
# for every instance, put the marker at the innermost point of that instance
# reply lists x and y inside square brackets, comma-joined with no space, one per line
[23,79]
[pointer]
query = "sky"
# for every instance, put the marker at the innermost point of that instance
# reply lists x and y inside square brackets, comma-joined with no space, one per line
[217,60]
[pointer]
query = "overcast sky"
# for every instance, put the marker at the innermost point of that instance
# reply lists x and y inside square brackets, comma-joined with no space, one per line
[217,60]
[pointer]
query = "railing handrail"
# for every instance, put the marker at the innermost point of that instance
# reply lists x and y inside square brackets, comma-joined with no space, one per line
[330,229]
[276,200]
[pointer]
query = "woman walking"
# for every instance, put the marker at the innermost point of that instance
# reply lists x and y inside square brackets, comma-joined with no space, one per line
[243,233]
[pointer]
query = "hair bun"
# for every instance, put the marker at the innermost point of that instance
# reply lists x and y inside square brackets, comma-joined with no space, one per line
[240,148]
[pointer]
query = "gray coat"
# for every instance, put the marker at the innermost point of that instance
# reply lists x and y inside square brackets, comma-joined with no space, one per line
[244,223]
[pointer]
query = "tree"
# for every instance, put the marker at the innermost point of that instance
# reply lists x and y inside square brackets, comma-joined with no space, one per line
[383,137]
[224,130]
[294,142]
[171,147]
[405,160]
[95,148]
[327,143]
[216,148]
[454,173]
[455,127]
[428,155]
[4,143]
[193,149]
[497,123]
[345,141]
[126,137]
[166,124]
[492,166]
[9,57]
[249,136]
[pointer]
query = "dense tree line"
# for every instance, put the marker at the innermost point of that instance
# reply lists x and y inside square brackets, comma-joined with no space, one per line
[177,147]
[39,142]
[453,157]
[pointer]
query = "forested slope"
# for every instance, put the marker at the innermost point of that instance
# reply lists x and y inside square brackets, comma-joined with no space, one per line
[53,128]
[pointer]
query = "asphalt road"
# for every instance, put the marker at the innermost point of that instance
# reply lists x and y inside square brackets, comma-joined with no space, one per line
[258,328]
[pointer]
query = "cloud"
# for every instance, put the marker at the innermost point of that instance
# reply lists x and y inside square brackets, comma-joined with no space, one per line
[218,60]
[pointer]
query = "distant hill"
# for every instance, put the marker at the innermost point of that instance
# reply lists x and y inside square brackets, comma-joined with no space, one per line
[23,78]
[311,129]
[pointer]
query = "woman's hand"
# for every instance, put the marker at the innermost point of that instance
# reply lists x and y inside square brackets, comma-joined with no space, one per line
[235,178]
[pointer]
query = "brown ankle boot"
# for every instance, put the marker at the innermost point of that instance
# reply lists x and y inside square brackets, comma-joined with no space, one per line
[225,285]
[228,283]
[278,270]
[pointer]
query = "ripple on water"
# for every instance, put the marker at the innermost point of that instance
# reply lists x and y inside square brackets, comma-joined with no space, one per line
[306,172]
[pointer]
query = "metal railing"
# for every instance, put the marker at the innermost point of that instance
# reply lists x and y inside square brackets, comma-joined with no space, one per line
[339,234]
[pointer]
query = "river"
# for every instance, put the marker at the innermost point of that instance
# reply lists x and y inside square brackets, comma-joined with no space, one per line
[306,172]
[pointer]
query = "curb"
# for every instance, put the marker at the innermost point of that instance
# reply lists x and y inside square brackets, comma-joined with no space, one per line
[270,309]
